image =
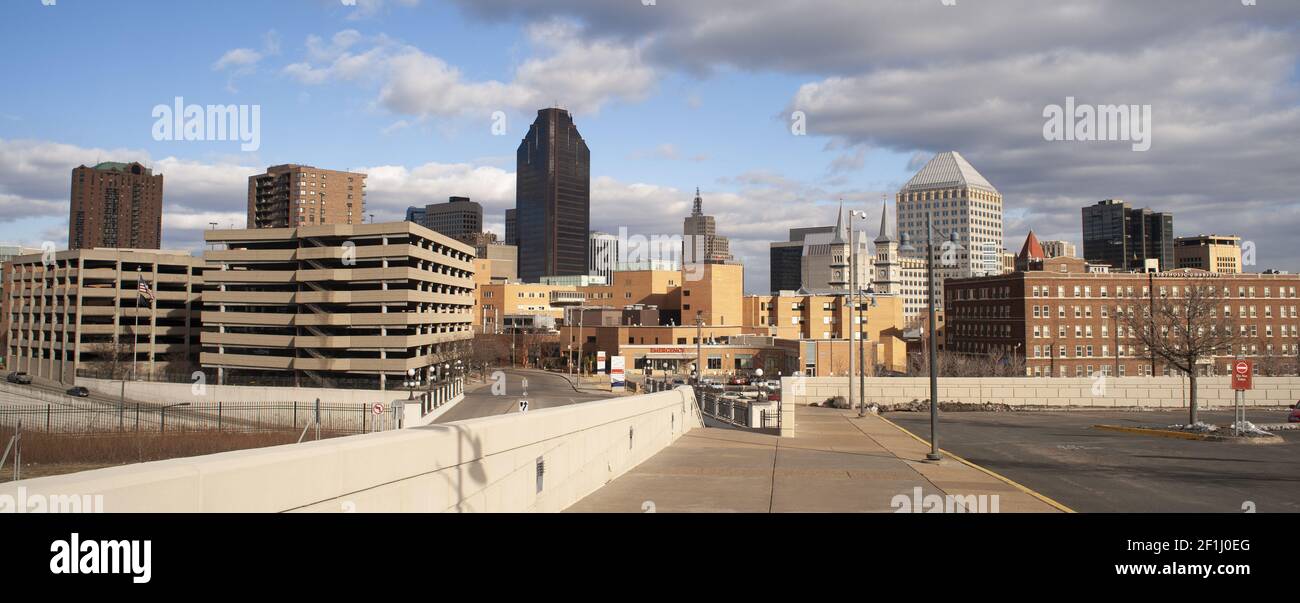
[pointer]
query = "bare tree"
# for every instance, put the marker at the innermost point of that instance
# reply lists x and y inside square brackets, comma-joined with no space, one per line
[1182,330]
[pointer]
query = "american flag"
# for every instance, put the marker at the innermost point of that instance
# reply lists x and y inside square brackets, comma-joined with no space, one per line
[143,289]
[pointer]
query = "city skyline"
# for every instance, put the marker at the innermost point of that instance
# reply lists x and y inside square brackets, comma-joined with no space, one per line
[656,126]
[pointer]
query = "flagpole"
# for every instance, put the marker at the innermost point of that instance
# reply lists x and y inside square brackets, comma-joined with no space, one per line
[135,337]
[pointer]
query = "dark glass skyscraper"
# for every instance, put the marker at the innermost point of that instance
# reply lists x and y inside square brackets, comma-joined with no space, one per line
[552,198]
[1124,238]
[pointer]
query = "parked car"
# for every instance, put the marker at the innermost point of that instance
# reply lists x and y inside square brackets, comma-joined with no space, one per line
[1294,417]
[79,391]
[738,380]
[19,378]
[679,381]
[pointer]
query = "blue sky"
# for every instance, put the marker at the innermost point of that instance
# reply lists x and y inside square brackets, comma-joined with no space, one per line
[669,97]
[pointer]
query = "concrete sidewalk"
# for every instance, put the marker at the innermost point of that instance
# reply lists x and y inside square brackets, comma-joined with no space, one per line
[837,463]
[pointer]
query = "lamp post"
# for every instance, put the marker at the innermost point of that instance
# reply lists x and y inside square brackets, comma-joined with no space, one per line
[934,354]
[411,383]
[862,354]
[699,340]
[162,418]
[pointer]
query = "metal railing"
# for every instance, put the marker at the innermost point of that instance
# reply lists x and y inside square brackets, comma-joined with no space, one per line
[207,416]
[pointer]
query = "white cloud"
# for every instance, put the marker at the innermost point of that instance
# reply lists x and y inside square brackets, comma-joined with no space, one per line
[580,75]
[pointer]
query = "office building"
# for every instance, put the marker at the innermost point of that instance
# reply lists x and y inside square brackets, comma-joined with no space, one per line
[785,259]
[1059,249]
[605,254]
[958,199]
[335,306]
[80,313]
[701,243]
[459,218]
[292,195]
[1125,238]
[1212,253]
[503,260]
[512,228]
[552,198]
[115,205]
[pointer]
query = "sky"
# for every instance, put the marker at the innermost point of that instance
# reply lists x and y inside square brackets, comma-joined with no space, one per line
[778,111]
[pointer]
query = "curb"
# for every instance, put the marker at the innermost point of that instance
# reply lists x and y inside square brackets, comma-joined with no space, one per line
[1017,485]
[1161,433]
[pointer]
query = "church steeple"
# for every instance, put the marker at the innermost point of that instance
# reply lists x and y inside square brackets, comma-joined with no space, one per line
[888,279]
[884,237]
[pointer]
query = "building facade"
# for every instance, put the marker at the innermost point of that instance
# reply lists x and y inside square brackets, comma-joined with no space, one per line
[957,198]
[1062,320]
[115,205]
[459,218]
[701,243]
[504,260]
[605,254]
[1126,238]
[1212,253]
[1059,249]
[80,312]
[552,198]
[290,195]
[336,305]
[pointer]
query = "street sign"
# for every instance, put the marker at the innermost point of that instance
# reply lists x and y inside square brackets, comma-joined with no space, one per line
[1243,372]
[523,406]
[378,408]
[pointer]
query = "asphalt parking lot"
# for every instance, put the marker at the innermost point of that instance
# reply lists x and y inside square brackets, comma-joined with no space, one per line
[1089,470]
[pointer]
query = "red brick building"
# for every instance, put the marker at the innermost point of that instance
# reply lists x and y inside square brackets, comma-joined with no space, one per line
[1060,317]
[115,205]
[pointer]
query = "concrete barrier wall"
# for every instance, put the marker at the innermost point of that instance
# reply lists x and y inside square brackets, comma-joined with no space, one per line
[171,393]
[1146,392]
[480,465]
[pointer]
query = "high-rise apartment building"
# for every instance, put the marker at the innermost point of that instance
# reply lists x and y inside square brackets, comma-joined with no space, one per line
[701,243]
[1125,238]
[290,195]
[552,198]
[1213,253]
[458,218]
[115,205]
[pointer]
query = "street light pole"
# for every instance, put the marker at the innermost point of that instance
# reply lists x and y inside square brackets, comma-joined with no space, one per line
[853,285]
[699,346]
[931,343]
[934,352]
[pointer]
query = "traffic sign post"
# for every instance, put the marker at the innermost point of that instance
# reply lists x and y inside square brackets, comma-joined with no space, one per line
[1243,379]
[378,410]
[523,406]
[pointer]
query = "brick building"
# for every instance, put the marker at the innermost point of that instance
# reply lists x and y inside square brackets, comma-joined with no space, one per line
[115,205]
[1060,317]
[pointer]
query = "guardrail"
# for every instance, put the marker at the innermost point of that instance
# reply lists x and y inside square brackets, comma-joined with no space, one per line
[214,416]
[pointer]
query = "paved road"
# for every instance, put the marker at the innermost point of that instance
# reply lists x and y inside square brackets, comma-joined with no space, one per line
[544,390]
[1059,455]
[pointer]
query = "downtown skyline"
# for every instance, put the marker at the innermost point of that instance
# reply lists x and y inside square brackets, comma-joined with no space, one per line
[406,92]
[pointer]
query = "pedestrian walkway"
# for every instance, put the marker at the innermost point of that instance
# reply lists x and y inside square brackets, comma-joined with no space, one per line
[838,462]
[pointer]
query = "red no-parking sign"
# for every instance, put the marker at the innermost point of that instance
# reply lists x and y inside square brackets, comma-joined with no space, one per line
[1243,372]
[378,408]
